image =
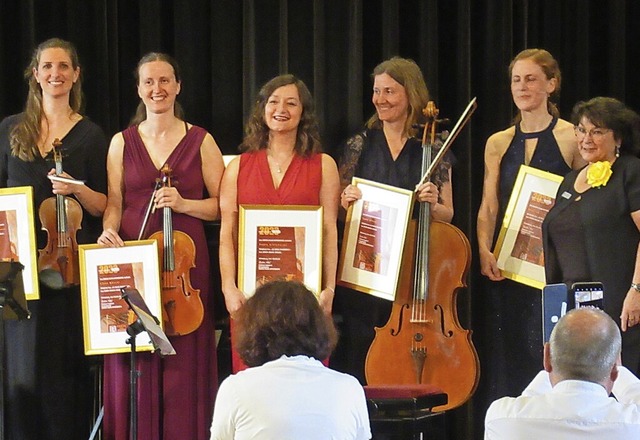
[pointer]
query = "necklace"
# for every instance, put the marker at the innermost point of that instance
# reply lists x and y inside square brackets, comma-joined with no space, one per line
[278,166]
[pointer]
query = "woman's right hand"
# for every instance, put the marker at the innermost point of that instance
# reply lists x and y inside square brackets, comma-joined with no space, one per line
[234,299]
[350,194]
[110,238]
[489,266]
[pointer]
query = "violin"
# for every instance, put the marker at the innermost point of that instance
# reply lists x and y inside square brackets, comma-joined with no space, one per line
[182,309]
[423,342]
[61,217]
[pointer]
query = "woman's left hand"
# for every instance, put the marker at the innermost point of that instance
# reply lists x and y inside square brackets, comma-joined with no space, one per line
[169,197]
[349,195]
[630,316]
[428,192]
[62,188]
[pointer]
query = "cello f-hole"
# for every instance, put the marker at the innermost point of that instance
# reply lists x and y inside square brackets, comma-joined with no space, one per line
[446,333]
[395,332]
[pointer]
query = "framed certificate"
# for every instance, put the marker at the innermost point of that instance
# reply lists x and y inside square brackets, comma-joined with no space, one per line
[519,245]
[279,242]
[104,272]
[375,231]
[18,236]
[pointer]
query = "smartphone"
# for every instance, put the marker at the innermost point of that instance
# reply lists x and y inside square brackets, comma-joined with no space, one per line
[555,301]
[588,294]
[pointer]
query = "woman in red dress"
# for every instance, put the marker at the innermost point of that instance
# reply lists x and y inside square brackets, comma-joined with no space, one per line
[175,393]
[282,164]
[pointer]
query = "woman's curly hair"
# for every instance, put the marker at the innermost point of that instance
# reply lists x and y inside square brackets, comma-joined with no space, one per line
[611,113]
[283,318]
[257,132]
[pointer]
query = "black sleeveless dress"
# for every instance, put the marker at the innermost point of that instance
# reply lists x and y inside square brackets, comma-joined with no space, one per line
[513,311]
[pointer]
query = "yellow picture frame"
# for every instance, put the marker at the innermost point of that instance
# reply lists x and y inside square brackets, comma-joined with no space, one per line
[518,248]
[104,271]
[17,205]
[280,242]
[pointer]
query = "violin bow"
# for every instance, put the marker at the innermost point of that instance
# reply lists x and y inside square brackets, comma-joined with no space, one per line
[462,121]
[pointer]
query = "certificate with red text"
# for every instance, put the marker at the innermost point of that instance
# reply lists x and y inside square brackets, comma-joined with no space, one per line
[375,232]
[518,248]
[18,236]
[104,273]
[279,242]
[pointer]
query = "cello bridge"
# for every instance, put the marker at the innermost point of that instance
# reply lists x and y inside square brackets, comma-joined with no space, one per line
[421,321]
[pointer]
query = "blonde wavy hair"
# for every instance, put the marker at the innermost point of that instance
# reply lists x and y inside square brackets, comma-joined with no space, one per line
[406,73]
[26,133]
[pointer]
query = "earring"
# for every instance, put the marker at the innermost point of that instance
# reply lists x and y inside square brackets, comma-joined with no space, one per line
[617,150]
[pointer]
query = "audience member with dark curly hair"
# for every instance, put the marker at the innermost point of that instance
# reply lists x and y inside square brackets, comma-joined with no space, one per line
[282,333]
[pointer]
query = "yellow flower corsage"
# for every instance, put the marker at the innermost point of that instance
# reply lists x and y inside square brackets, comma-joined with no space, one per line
[599,173]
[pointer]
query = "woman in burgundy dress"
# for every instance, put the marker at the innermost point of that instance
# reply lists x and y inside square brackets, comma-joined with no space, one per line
[282,164]
[175,393]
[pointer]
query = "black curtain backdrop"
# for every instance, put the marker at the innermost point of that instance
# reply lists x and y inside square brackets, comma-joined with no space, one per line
[228,48]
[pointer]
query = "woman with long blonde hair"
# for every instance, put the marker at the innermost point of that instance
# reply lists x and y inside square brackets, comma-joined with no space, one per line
[45,353]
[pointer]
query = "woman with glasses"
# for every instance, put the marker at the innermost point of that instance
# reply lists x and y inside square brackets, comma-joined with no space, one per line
[540,139]
[593,231]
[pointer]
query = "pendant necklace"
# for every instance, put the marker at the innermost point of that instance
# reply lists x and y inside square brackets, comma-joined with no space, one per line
[278,166]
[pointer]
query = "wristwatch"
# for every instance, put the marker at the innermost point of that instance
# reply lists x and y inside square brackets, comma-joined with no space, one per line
[636,286]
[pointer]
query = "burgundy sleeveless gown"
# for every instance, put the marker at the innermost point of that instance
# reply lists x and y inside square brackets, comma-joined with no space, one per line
[175,393]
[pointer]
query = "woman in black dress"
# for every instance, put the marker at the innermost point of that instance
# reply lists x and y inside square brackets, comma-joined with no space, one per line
[49,385]
[593,231]
[386,151]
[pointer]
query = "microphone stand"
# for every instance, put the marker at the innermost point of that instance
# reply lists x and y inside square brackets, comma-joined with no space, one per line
[7,298]
[133,330]
[145,322]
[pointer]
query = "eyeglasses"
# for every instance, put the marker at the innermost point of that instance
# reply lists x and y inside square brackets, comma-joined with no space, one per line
[595,133]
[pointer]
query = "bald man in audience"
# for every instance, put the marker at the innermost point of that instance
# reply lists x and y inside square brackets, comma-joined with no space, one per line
[570,399]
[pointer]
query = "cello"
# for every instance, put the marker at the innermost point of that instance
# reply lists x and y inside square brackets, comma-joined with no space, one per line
[182,308]
[423,342]
[61,217]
